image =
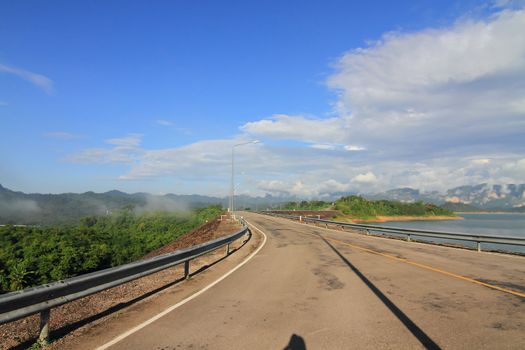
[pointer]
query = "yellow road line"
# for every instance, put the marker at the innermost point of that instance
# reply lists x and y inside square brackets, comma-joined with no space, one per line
[406,261]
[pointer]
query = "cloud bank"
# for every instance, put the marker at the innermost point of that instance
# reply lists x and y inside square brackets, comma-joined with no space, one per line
[431,109]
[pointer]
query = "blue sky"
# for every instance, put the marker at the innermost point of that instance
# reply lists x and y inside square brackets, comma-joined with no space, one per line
[364,96]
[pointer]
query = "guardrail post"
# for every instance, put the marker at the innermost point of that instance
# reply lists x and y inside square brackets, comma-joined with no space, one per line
[43,337]
[408,237]
[479,246]
[367,232]
[187,269]
[325,225]
[300,218]
[228,249]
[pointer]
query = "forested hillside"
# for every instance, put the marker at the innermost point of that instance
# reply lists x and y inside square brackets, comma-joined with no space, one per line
[360,208]
[35,255]
[52,209]
[307,205]
[357,207]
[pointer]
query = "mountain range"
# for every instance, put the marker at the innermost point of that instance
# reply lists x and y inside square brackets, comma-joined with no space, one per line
[48,209]
[482,196]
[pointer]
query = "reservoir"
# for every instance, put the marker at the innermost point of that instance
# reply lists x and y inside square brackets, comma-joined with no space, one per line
[512,225]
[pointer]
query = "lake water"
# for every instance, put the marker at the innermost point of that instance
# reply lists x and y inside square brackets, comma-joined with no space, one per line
[512,225]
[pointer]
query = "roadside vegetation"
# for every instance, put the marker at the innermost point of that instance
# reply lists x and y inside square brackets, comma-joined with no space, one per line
[359,208]
[307,205]
[31,256]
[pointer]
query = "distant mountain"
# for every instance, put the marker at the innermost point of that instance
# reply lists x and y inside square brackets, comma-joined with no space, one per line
[461,207]
[408,195]
[518,209]
[22,208]
[489,196]
[483,196]
[50,209]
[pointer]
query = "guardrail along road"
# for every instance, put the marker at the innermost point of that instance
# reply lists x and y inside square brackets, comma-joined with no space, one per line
[313,288]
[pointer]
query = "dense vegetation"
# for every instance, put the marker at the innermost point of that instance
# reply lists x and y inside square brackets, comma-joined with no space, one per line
[361,208]
[35,255]
[306,205]
[358,207]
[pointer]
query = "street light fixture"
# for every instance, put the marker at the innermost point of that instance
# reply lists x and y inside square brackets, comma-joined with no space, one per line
[232,190]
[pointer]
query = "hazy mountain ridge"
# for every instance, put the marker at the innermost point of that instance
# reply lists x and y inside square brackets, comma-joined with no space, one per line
[47,209]
[35,208]
[483,196]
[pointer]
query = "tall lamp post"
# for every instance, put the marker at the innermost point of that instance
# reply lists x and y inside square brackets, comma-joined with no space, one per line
[232,190]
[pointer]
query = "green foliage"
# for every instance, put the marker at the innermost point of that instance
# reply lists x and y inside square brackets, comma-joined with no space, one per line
[306,205]
[36,255]
[360,208]
[35,346]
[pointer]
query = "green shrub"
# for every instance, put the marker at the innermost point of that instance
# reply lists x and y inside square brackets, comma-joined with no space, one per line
[36,255]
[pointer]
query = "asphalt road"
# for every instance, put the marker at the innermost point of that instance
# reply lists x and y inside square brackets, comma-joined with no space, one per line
[312,288]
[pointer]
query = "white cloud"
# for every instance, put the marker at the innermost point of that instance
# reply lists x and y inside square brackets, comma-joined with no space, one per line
[13,208]
[39,80]
[323,146]
[481,161]
[297,188]
[368,177]
[421,92]
[287,127]
[300,171]
[331,186]
[354,148]
[62,135]
[428,106]
[164,122]
[514,170]
[132,140]
[451,84]
[433,109]
[123,150]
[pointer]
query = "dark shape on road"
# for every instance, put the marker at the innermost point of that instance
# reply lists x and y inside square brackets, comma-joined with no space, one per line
[296,343]
[427,342]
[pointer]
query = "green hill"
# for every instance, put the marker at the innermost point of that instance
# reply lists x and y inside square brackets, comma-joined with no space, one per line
[307,205]
[359,208]
[461,207]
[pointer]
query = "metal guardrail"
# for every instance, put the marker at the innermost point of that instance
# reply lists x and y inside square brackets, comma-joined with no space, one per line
[409,233]
[19,304]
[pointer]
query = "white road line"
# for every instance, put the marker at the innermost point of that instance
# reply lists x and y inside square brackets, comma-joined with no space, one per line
[193,296]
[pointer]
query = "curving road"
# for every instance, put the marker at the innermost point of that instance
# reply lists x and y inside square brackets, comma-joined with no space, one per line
[313,288]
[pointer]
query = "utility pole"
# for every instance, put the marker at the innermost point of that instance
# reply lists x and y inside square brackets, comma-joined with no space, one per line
[232,189]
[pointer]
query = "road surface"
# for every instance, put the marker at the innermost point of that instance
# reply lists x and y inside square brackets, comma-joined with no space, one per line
[313,288]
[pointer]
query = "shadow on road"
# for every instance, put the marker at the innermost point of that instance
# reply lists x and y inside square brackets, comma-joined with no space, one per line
[423,338]
[296,343]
